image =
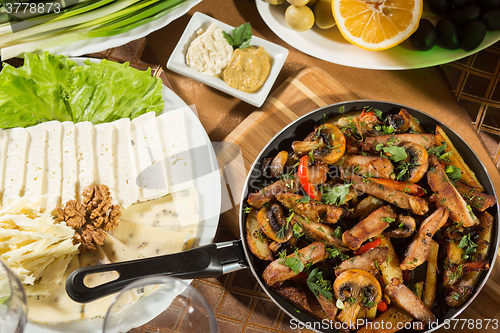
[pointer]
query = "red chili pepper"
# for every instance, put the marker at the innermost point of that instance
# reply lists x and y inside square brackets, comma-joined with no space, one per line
[382,306]
[409,188]
[367,247]
[305,181]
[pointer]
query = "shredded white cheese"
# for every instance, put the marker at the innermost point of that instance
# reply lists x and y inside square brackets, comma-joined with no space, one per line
[31,241]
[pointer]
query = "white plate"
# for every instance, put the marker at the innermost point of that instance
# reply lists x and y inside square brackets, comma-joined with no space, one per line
[329,45]
[209,200]
[95,45]
[177,61]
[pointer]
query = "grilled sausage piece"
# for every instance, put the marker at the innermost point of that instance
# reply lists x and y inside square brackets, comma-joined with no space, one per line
[403,200]
[371,226]
[448,196]
[278,271]
[408,301]
[420,247]
[426,140]
[376,166]
[367,261]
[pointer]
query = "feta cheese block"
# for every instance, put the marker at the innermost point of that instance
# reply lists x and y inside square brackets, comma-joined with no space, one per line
[4,141]
[15,164]
[139,160]
[125,165]
[151,174]
[37,159]
[69,164]
[85,156]
[53,169]
[176,149]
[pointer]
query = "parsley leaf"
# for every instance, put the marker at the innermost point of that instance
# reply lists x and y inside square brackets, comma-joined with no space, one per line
[294,264]
[440,153]
[396,153]
[336,195]
[335,252]
[453,173]
[469,245]
[241,36]
[318,285]
[388,219]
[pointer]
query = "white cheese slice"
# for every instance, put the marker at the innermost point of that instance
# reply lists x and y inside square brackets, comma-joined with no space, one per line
[53,169]
[177,211]
[126,187]
[15,164]
[69,165]
[58,307]
[116,251]
[149,241]
[4,140]
[37,159]
[105,146]
[85,153]
[148,157]
[99,307]
[177,156]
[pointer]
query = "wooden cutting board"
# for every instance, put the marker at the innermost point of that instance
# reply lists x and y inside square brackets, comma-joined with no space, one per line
[309,90]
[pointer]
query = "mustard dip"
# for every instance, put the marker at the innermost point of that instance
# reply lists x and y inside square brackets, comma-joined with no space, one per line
[248,69]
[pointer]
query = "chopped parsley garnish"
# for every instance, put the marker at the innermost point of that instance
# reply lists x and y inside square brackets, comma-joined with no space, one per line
[337,233]
[336,195]
[293,263]
[336,253]
[241,36]
[388,219]
[247,209]
[385,129]
[396,153]
[469,245]
[305,198]
[342,109]
[440,153]
[454,174]
[318,285]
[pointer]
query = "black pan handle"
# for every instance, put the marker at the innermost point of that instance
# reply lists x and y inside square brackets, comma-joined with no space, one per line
[211,260]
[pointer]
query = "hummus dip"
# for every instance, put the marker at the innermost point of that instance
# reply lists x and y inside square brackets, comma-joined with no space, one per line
[209,53]
[248,69]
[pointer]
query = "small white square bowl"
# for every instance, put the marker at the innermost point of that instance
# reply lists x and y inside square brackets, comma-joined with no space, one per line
[177,60]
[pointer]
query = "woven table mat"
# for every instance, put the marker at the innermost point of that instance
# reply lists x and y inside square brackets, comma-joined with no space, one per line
[475,82]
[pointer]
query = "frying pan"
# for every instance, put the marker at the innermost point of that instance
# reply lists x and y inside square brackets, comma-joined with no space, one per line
[220,258]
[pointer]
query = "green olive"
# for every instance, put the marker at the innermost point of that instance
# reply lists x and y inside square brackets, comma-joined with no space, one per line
[300,18]
[473,35]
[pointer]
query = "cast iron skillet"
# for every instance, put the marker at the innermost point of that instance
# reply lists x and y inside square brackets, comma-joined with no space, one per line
[220,258]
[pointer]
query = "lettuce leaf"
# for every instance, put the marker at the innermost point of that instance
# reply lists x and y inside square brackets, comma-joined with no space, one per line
[35,92]
[52,87]
[107,91]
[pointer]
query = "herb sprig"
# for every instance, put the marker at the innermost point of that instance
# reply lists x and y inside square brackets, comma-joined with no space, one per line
[241,36]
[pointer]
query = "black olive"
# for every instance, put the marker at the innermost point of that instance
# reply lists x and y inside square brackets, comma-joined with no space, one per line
[492,19]
[439,7]
[473,35]
[448,34]
[461,15]
[488,4]
[458,3]
[425,37]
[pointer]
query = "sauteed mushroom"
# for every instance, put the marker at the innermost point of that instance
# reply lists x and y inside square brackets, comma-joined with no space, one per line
[273,223]
[418,160]
[356,288]
[257,242]
[398,122]
[327,144]
[405,227]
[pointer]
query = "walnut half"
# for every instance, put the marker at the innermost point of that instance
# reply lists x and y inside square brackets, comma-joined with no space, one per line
[91,218]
